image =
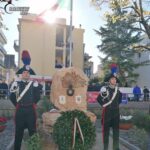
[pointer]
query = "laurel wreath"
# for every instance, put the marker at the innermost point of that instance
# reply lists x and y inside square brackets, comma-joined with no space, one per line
[63,131]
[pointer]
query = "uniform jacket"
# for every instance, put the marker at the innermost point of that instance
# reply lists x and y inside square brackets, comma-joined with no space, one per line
[112,110]
[32,95]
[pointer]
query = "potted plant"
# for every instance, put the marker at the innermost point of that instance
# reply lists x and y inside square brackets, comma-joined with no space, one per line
[3,122]
[125,122]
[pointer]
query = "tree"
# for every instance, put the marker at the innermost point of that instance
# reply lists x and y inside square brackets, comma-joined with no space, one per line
[88,65]
[118,40]
[141,15]
[136,9]
[95,80]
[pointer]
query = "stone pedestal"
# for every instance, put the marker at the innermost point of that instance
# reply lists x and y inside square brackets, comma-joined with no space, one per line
[68,92]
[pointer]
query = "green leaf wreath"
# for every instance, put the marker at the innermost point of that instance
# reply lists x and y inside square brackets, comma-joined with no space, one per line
[63,131]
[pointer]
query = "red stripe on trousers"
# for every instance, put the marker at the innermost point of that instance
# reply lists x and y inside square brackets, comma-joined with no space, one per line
[103,116]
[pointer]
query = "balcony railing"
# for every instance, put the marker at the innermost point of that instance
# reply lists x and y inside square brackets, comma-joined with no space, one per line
[61,44]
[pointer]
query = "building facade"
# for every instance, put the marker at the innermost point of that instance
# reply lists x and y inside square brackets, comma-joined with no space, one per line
[88,65]
[3,41]
[48,44]
[143,71]
[9,63]
[100,71]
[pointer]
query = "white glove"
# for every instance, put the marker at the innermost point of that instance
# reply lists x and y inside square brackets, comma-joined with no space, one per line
[14,87]
[35,84]
[104,92]
[103,89]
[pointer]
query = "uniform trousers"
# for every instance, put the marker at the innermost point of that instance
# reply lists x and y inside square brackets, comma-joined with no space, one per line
[107,123]
[25,117]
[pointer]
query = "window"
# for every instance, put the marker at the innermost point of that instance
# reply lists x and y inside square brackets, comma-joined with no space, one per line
[59,37]
[59,59]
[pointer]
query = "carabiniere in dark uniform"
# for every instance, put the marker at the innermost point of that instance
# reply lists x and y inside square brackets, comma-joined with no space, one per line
[24,94]
[25,116]
[110,98]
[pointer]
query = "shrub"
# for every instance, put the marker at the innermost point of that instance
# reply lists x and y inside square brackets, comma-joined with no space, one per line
[34,142]
[139,134]
[142,120]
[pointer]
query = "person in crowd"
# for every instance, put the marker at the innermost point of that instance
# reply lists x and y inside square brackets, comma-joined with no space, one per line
[109,98]
[137,93]
[146,93]
[24,94]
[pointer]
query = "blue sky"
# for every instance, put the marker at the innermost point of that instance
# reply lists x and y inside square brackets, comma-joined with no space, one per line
[83,13]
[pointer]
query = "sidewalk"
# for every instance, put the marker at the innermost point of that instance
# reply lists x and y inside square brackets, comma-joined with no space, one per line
[99,144]
[6,104]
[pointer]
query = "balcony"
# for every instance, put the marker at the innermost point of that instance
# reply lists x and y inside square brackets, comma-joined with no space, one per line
[61,44]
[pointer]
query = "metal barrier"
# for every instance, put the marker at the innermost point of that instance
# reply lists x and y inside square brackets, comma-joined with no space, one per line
[4,94]
[138,97]
[92,96]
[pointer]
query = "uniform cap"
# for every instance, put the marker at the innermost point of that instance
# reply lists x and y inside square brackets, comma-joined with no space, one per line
[26,61]
[26,68]
[109,76]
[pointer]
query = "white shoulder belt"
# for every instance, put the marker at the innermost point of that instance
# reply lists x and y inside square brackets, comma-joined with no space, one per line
[24,91]
[114,95]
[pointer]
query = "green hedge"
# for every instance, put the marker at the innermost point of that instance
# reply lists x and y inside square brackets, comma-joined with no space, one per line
[142,120]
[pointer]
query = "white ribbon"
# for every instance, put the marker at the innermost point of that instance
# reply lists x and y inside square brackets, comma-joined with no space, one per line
[76,124]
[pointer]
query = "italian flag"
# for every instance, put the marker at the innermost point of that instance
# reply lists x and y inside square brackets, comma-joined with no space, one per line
[58,5]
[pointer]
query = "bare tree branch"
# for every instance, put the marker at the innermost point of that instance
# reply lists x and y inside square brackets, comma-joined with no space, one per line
[142,47]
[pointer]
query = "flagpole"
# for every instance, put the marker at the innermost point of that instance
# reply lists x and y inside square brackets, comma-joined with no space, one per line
[70,49]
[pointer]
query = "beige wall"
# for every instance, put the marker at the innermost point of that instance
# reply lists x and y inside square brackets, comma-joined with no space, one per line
[37,40]
[78,53]
[40,40]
